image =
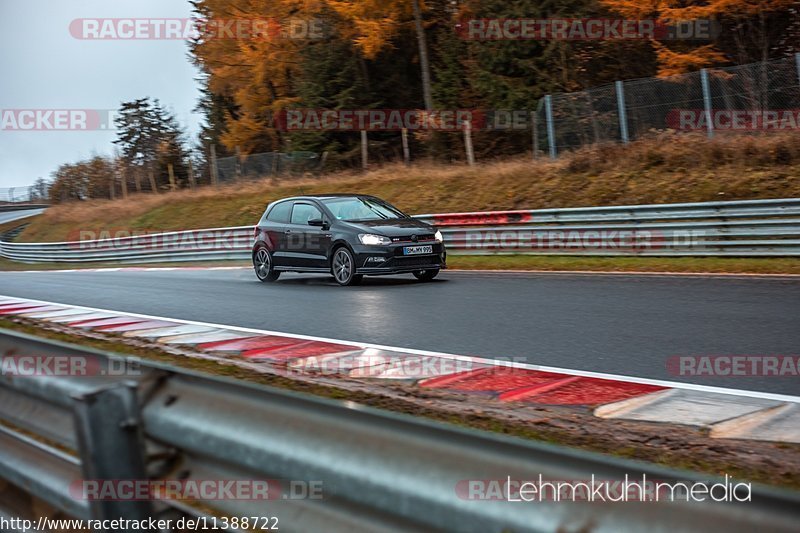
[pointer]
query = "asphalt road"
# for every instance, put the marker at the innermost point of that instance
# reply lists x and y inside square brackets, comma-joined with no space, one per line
[621,324]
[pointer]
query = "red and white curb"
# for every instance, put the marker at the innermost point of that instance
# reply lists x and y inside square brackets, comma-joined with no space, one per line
[726,413]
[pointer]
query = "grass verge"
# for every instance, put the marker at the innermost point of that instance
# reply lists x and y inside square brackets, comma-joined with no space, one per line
[672,168]
[717,265]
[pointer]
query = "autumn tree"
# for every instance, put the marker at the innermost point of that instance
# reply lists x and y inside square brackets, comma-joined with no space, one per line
[748,30]
[84,180]
[374,23]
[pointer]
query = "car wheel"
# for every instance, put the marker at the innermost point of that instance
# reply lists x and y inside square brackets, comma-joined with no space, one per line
[343,267]
[426,275]
[262,263]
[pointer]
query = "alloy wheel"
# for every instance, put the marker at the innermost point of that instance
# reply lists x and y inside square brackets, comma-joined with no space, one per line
[342,266]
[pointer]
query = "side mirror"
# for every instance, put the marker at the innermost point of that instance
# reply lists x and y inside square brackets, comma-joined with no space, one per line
[318,222]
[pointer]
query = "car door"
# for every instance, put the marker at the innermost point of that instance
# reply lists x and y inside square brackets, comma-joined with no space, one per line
[307,245]
[274,227]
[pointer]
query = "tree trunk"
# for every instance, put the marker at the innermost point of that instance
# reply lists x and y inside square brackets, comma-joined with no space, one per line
[423,57]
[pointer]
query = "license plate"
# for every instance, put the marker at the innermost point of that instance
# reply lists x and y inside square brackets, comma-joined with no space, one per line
[416,250]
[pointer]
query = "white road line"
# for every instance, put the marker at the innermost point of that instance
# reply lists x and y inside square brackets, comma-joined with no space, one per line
[126,269]
[512,364]
[499,273]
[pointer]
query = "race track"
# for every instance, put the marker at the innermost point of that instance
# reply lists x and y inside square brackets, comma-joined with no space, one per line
[620,324]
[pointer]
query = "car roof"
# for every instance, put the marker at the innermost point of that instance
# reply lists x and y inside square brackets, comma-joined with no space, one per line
[326,196]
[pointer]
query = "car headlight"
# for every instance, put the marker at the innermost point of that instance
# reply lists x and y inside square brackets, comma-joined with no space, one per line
[438,236]
[373,240]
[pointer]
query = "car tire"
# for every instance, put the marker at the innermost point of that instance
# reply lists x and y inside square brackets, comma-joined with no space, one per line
[343,267]
[262,264]
[426,275]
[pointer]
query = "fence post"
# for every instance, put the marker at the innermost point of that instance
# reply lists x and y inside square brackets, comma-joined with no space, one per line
[406,153]
[551,130]
[468,142]
[124,181]
[153,187]
[797,61]
[623,115]
[171,171]
[707,101]
[364,152]
[276,162]
[238,165]
[191,174]
[214,177]
[534,135]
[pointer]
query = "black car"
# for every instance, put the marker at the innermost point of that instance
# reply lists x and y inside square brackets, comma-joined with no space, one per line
[346,235]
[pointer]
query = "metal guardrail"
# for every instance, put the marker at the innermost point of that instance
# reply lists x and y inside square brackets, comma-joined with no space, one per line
[214,244]
[736,228]
[377,471]
[739,228]
[22,206]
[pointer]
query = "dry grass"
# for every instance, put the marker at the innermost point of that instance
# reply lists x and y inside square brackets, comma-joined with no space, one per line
[712,265]
[669,168]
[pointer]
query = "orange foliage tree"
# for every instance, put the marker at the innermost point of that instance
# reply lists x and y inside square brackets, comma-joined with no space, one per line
[748,29]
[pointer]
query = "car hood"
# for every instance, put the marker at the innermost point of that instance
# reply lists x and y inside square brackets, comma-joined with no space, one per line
[394,227]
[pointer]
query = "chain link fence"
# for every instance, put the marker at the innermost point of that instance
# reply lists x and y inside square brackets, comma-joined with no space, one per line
[255,166]
[16,195]
[755,97]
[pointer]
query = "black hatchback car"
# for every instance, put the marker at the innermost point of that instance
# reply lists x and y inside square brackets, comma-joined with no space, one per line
[346,235]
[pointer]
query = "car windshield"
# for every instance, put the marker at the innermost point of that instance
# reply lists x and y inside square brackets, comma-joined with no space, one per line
[353,208]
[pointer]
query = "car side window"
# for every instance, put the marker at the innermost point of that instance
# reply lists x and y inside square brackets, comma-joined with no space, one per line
[302,213]
[280,213]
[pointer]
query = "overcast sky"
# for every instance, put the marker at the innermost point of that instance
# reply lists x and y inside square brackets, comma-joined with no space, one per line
[42,66]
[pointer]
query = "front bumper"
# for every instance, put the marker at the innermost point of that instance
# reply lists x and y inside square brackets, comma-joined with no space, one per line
[377,260]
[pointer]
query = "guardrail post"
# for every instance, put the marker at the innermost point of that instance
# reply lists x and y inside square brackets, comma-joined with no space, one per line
[707,102]
[623,115]
[111,448]
[551,131]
